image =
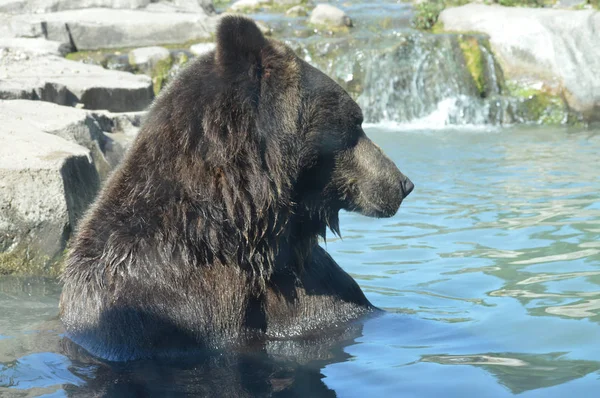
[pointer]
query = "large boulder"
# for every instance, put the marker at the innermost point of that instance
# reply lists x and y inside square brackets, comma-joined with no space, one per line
[557,47]
[46,182]
[101,28]
[52,160]
[54,79]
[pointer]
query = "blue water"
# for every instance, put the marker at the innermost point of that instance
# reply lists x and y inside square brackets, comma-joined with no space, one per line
[490,275]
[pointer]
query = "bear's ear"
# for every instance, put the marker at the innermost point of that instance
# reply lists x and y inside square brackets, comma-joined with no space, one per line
[239,43]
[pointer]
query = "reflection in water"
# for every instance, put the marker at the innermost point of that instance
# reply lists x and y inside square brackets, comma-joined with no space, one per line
[492,264]
[522,372]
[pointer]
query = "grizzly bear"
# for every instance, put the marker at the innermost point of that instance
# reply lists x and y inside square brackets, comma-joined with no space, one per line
[206,236]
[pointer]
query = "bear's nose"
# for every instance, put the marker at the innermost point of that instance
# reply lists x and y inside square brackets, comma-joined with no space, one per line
[407,187]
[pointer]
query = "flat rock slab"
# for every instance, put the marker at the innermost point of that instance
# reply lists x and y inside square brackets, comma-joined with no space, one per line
[556,46]
[44,6]
[64,82]
[102,28]
[34,46]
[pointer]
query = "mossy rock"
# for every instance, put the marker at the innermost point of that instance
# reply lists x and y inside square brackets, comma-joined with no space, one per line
[541,106]
[160,74]
[21,262]
[471,49]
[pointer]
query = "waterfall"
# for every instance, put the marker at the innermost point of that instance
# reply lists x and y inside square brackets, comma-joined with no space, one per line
[422,79]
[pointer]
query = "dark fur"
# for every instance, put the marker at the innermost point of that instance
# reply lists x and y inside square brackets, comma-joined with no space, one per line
[207,233]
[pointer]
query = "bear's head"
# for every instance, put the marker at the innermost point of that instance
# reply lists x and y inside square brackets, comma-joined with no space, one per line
[336,165]
[267,149]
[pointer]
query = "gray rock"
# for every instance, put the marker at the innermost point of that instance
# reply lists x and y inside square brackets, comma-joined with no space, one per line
[557,47]
[297,11]
[45,6]
[202,48]
[46,183]
[101,28]
[54,79]
[52,160]
[248,5]
[195,5]
[330,16]
[146,58]
[570,3]
[34,46]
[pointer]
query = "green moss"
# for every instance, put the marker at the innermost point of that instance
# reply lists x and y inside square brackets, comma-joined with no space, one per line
[474,61]
[438,27]
[160,74]
[540,106]
[97,57]
[20,262]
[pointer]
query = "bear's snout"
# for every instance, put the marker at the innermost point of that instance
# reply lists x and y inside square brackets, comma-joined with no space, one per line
[381,186]
[407,187]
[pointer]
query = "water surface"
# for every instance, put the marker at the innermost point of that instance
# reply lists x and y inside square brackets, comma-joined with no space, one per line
[490,275]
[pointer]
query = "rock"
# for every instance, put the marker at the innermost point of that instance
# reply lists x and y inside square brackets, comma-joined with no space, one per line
[570,3]
[330,16]
[46,183]
[54,79]
[52,159]
[202,48]
[35,46]
[45,6]
[195,5]
[549,45]
[146,58]
[248,5]
[264,28]
[297,11]
[102,28]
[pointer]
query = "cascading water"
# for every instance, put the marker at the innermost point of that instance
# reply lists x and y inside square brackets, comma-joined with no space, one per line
[418,78]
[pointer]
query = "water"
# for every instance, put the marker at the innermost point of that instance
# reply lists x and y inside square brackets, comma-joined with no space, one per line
[490,275]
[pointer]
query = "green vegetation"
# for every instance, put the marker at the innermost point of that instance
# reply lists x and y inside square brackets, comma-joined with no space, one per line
[160,74]
[474,60]
[541,105]
[20,262]
[427,14]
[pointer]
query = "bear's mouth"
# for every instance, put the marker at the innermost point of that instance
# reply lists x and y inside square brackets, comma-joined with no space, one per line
[387,206]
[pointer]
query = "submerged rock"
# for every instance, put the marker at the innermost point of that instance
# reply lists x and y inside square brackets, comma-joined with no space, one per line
[560,48]
[329,16]
[64,82]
